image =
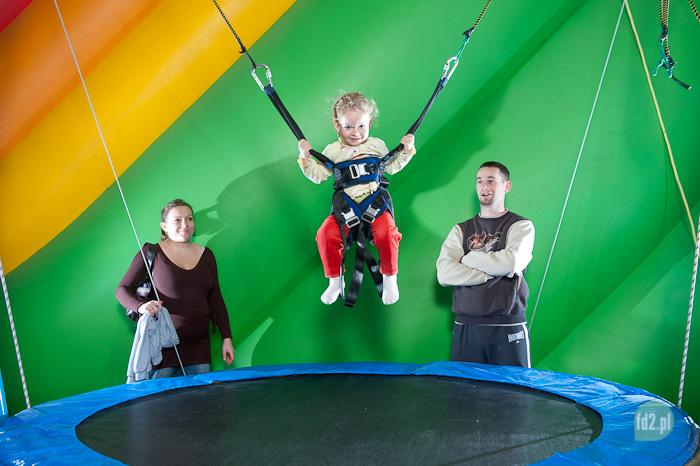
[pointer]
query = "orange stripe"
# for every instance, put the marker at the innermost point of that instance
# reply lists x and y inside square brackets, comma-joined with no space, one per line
[40,72]
[139,89]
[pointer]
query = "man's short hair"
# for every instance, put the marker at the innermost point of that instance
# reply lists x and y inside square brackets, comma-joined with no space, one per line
[502,168]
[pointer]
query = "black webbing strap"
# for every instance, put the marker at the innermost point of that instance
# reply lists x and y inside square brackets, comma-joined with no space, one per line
[145,288]
[416,124]
[359,232]
[362,256]
[448,69]
[284,113]
[272,93]
[438,88]
[293,126]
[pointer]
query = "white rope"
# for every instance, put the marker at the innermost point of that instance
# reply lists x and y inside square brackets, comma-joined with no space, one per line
[14,337]
[690,317]
[109,158]
[578,161]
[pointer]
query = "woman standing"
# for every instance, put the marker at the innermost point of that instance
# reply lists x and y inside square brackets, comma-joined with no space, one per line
[187,281]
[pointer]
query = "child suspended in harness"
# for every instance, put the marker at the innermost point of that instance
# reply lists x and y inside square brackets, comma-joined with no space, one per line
[361,204]
[360,200]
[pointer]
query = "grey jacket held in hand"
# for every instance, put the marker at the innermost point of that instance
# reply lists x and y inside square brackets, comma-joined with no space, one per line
[152,335]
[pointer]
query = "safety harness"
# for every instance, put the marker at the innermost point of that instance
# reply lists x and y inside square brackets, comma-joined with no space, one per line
[357,217]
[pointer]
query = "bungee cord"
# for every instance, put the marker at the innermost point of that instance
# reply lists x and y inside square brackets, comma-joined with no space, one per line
[448,70]
[240,42]
[666,61]
[111,163]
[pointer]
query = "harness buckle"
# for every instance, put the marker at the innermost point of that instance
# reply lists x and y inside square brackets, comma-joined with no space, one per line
[358,170]
[370,214]
[350,218]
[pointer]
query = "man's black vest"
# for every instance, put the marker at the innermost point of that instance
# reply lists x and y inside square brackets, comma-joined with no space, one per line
[501,300]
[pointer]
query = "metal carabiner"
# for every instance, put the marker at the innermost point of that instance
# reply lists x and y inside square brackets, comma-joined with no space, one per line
[659,64]
[668,64]
[268,74]
[449,68]
[665,62]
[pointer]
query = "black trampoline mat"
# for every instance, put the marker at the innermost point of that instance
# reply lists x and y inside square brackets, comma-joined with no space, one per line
[342,419]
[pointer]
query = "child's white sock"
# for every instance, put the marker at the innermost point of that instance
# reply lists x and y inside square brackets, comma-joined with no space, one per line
[332,292]
[391,289]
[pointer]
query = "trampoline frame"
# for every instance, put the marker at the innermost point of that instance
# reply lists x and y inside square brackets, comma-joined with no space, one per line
[47,432]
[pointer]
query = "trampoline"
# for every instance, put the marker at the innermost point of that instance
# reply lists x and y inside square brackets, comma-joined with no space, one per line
[358,413]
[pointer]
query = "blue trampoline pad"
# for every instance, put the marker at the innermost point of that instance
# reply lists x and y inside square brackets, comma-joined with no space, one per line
[374,413]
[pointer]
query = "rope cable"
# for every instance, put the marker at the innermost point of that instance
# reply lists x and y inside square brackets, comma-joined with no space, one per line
[686,342]
[14,337]
[696,236]
[576,165]
[109,158]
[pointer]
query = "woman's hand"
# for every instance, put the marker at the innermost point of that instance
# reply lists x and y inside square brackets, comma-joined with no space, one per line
[409,143]
[304,149]
[227,351]
[151,308]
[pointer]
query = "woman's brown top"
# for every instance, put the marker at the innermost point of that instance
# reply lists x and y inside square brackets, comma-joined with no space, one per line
[192,297]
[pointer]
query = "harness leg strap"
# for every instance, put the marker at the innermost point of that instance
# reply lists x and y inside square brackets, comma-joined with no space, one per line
[362,256]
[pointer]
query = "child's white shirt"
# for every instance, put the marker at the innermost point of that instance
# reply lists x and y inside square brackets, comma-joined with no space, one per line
[337,152]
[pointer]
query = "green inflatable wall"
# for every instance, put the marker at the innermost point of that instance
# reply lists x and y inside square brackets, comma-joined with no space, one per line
[615,300]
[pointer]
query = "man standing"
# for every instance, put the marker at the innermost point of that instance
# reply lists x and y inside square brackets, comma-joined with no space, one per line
[484,259]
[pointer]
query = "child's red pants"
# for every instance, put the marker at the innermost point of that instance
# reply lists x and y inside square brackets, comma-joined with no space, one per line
[386,240]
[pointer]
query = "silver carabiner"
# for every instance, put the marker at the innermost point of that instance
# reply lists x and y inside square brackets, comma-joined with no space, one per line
[449,68]
[268,74]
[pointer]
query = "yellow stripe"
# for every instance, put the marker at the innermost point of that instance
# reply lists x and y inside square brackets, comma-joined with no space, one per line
[35,47]
[138,90]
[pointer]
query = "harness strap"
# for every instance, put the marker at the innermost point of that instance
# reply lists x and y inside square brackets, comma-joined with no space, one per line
[293,126]
[284,113]
[362,256]
[146,288]
[447,71]
[416,124]
[354,172]
[359,225]
[377,206]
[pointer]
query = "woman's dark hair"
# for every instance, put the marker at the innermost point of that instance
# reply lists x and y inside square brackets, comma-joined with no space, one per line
[164,212]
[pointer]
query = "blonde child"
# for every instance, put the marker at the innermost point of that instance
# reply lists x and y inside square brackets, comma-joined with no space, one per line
[353,115]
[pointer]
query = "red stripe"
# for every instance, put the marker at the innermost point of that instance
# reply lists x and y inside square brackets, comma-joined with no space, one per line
[10,9]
